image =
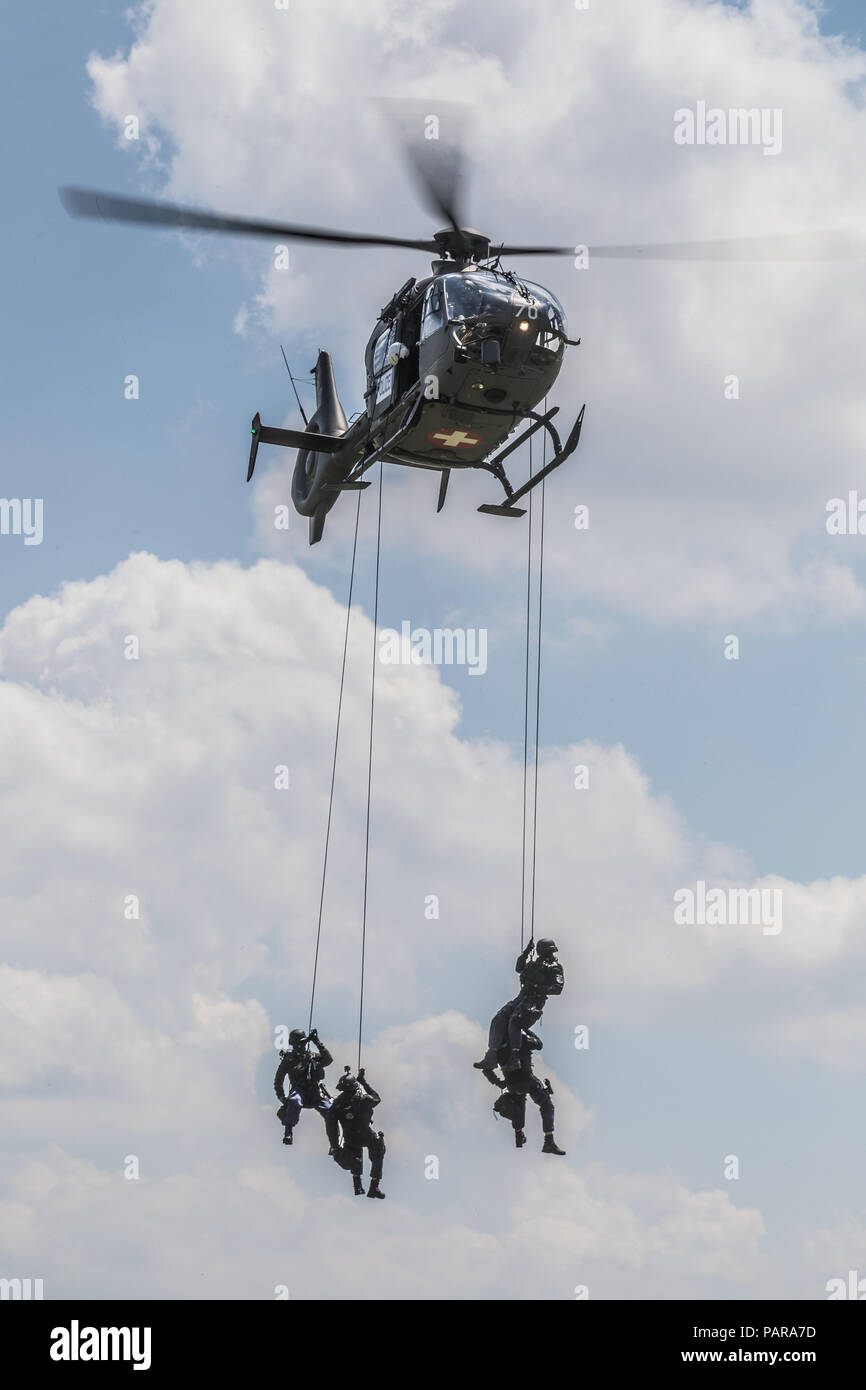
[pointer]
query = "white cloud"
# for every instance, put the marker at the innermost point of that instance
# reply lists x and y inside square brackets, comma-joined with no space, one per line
[227,1225]
[152,1036]
[155,778]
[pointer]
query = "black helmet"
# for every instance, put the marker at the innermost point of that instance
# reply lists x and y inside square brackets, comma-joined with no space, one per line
[297,1036]
[545,947]
[347,1082]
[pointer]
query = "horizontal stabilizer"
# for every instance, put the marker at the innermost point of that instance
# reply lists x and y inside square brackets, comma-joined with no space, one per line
[290,439]
[298,439]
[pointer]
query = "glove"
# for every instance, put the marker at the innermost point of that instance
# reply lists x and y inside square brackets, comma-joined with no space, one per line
[314,1034]
[362,1071]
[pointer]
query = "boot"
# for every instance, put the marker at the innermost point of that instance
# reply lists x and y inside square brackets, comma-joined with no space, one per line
[374,1189]
[519,1138]
[549,1145]
[358,1186]
[287,1137]
[488,1061]
[489,1075]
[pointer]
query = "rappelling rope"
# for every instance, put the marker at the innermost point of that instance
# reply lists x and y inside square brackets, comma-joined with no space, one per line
[526,709]
[334,763]
[370,770]
[537,691]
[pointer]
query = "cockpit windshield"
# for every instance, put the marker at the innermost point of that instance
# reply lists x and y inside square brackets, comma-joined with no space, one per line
[477,292]
[482,303]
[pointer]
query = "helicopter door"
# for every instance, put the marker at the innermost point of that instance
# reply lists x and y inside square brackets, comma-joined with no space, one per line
[383,373]
[410,366]
[406,330]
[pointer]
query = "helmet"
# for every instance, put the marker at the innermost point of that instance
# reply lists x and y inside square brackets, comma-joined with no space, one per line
[347,1082]
[545,948]
[297,1036]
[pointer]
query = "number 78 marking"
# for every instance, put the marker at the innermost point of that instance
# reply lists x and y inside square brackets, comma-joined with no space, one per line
[531,311]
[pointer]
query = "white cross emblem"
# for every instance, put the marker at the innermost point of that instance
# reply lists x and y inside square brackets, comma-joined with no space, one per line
[457,439]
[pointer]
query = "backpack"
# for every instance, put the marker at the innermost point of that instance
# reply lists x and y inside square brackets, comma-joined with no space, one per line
[508,1105]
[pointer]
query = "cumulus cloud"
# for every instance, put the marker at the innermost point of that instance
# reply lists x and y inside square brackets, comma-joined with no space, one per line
[228,1225]
[153,779]
[153,1035]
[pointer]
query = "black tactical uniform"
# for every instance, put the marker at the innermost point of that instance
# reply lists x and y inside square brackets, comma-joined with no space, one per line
[349,1120]
[539,978]
[305,1070]
[520,1082]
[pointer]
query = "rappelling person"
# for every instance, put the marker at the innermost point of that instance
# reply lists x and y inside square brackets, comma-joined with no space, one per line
[540,976]
[350,1131]
[304,1064]
[520,1082]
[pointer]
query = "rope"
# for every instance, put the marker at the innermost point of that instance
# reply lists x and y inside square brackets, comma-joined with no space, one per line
[370,772]
[334,763]
[537,695]
[526,709]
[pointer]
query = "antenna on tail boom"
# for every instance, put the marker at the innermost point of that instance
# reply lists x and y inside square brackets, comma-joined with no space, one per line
[294,387]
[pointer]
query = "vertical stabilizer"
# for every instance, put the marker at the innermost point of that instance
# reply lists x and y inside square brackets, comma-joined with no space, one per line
[329,417]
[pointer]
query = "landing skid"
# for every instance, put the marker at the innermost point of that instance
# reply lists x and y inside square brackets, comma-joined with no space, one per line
[354,486]
[561,453]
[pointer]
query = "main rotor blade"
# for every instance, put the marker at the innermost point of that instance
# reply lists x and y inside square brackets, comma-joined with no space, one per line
[86,202]
[806,246]
[430,135]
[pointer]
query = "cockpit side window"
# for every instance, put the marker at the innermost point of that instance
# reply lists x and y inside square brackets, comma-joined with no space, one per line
[383,342]
[433,317]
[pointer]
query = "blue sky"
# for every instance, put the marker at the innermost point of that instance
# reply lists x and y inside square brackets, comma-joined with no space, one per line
[764,755]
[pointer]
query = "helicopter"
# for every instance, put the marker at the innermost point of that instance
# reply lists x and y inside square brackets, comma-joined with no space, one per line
[457,361]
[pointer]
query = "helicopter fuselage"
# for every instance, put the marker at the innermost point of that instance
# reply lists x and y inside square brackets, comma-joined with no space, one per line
[455,363]
[479,347]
